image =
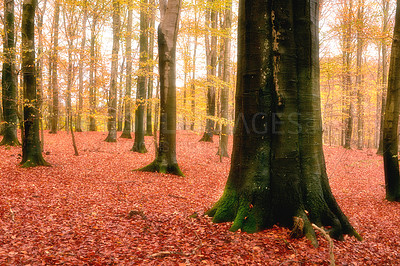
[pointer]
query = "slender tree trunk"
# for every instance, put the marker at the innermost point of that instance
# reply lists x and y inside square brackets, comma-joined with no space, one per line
[385,5]
[150,85]
[391,119]
[80,69]
[31,148]
[120,112]
[128,89]
[165,161]
[359,75]
[278,169]
[223,144]
[211,73]
[9,86]
[112,96]
[54,65]
[193,86]
[139,145]
[92,77]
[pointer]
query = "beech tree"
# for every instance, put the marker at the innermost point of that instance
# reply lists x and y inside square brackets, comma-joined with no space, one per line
[54,70]
[278,170]
[139,145]
[9,79]
[391,118]
[31,148]
[112,96]
[165,161]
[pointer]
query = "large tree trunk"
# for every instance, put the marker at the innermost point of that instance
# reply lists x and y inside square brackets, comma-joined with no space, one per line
[80,71]
[112,96]
[139,145]
[211,55]
[8,82]
[391,119]
[278,169]
[223,143]
[31,148]
[165,161]
[126,133]
[54,65]
[92,77]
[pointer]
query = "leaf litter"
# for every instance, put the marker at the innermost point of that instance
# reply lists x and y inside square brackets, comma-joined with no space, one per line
[94,209]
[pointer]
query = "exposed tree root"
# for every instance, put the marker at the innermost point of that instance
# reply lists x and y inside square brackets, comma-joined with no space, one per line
[207,137]
[126,135]
[162,167]
[330,241]
[33,161]
[140,148]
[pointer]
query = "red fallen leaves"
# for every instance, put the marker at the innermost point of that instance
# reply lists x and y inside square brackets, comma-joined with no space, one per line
[93,209]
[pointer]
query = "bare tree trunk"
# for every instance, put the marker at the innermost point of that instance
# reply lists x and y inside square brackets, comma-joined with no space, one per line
[223,143]
[128,89]
[193,86]
[359,75]
[165,161]
[92,77]
[54,65]
[31,148]
[9,86]
[139,144]
[150,85]
[112,96]
[391,119]
[80,67]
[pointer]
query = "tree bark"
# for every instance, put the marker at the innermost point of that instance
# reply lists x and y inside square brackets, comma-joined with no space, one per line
[92,77]
[126,133]
[359,75]
[150,85]
[112,96]
[278,169]
[139,144]
[165,161]
[211,55]
[80,70]
[391,119]
[223,143]
[31,148]
[9,78]
[54,65]
[385,7]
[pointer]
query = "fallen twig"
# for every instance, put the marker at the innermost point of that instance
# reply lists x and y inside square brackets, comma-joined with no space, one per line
[187,254]
[329,239]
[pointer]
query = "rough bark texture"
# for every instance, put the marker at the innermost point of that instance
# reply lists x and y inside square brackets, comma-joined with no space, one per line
[139,145]
[165,161]
[9,79]
[31,148]
[54,65]
[126,133]
[278,169]
[223,142]
[112,95]
[391,119]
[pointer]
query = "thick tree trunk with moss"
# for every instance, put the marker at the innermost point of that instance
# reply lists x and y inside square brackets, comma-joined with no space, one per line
[8,82]
[31,148]
[278,169]
[112,95]
[391,119]
[165,161]
[139,145]
[126,133]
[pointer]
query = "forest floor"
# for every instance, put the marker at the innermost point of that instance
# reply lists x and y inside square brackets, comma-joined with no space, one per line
[92,209]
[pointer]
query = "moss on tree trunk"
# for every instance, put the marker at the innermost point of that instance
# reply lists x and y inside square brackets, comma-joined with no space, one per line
[278,168]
